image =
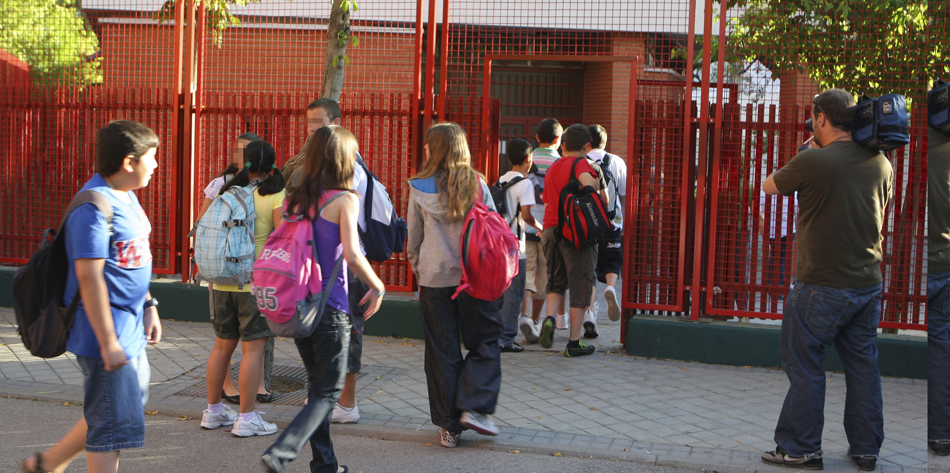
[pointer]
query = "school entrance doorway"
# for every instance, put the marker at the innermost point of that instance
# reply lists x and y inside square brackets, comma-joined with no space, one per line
[530,91]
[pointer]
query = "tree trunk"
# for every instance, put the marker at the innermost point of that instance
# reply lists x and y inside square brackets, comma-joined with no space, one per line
[333,76]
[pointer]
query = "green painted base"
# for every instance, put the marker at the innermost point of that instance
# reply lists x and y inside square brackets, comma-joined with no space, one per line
[729,343]
[398,317]
[719,343]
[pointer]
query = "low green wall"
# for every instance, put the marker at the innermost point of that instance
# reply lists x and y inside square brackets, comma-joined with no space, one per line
[718,343]
[729,343]
[398,316]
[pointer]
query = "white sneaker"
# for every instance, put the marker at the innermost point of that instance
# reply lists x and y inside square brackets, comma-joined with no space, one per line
[255,426]
[562,321]
[211,420]
[343,416]
[529,328]
[449,439]
[480,423]
[613,309]
[591,314]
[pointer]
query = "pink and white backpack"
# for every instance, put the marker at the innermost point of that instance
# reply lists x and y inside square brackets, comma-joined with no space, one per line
[288,282]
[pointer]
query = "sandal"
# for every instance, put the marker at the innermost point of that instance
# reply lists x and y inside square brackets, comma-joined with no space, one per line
[236,399]
[37,469]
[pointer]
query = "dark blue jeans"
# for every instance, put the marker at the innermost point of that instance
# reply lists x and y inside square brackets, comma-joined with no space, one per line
[457,385]
[938,356]
[814,318]
[324,354]
[511,306]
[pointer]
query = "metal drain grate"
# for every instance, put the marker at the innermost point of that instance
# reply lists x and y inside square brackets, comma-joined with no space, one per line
[370,380]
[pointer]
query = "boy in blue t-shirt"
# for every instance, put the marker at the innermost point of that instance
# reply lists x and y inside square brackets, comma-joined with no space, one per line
[117,318]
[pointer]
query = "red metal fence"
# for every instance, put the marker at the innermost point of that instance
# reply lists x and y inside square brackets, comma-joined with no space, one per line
[700,111]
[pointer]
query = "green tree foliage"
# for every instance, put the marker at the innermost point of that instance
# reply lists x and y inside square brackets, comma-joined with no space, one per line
[865,46]
[938,29]
[54,38]
[218,17]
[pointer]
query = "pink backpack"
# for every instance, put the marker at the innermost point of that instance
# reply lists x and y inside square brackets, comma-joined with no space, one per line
[489,254]
[288,282]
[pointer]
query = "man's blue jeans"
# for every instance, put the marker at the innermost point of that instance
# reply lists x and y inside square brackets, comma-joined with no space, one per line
[814,318]
[938,357]
[324,354]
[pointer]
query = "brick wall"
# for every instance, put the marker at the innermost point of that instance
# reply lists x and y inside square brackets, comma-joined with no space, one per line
[13,71]
[255,60]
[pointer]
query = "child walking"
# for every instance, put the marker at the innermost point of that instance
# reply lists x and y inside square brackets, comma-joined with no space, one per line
[329,159]
[462,392]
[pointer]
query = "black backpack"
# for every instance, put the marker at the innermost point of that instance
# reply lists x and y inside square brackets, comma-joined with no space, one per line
[582,218]
[43,322]
[938,107]
[611,182]
[499,193]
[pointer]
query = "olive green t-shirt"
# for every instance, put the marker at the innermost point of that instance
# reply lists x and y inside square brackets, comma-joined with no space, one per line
[843,190]
[938,201]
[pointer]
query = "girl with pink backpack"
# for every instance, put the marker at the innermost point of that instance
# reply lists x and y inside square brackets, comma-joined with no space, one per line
[329,159]
[462,392]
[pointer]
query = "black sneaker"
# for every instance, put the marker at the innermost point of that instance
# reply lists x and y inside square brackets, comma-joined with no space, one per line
[780,458]
[513,348]
[590,330]
[865,463]
[941,448]
[582,349]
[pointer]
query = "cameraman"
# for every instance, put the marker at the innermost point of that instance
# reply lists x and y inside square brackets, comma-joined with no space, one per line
[843,189]
[938,292]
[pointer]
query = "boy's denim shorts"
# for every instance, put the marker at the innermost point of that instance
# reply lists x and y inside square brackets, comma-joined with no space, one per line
[114,403]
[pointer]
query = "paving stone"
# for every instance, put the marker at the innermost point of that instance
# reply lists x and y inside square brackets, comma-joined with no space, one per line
[726,414]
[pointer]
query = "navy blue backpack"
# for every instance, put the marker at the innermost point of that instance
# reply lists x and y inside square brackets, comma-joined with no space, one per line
[385,232]
[938,106]
[881,123]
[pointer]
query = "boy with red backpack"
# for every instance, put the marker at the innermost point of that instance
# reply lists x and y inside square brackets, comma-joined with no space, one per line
[568,267]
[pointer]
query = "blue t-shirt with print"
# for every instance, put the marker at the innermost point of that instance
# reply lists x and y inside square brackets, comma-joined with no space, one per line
[128,268]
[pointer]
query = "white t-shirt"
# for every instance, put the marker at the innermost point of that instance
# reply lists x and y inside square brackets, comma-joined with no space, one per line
[211,191]
[519,194]
[780,212]
[618,169]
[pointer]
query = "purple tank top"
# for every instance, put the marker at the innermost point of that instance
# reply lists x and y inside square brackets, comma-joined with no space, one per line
[329,249]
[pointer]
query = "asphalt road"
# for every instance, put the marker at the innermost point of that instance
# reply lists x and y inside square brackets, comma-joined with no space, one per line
[174,445]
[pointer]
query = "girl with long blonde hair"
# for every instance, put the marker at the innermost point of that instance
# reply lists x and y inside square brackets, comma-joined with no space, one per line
[462,392]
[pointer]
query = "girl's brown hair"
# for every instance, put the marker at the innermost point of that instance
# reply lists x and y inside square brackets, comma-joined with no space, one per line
[451,163]
[328,161]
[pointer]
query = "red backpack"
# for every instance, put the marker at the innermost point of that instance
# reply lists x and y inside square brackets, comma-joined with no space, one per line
[582,218]
[489,254]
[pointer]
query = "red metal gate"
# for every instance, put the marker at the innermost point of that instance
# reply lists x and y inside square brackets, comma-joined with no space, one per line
[699,133]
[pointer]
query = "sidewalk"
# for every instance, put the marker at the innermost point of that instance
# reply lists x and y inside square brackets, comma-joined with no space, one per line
[607,405]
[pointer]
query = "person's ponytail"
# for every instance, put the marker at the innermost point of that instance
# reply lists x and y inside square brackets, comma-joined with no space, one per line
[241,179]
[275,180]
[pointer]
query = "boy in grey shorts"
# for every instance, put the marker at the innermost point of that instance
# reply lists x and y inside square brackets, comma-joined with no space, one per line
[568,268]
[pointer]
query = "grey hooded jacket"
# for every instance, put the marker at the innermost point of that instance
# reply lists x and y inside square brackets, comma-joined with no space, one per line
[433,242]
